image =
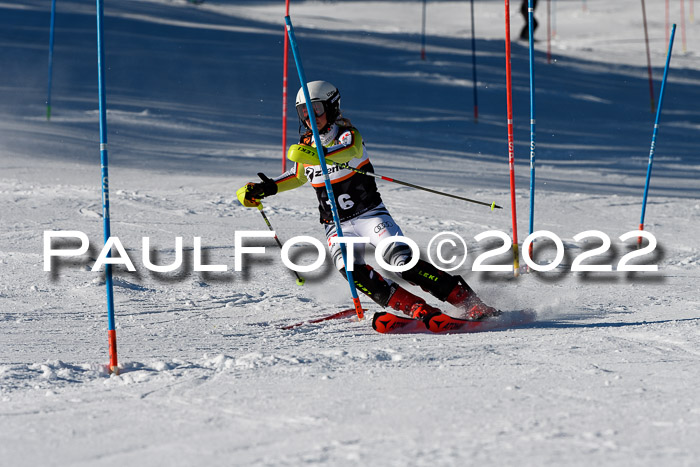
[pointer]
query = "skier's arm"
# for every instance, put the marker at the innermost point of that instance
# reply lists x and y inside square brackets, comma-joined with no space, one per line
[292,178]
[349,147]
[251,193]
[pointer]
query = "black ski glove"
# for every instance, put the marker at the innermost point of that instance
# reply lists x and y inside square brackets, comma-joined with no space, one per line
[263,189]
[250,194]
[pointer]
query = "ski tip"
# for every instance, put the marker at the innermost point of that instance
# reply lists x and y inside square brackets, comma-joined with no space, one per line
[379,324]
[385,322]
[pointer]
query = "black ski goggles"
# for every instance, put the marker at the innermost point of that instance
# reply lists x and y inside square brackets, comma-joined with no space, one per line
[319,109]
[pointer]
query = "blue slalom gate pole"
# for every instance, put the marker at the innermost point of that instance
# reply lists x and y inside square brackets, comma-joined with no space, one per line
[656,127]
[476,103]
[51,34]
[530,13]
[322,160]
[111,332]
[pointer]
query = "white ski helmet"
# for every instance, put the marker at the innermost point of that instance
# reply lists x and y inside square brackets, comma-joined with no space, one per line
[325,98]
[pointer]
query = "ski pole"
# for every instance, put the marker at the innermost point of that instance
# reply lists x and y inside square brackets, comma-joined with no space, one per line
[418,187]
[300,280]
[322,159]
[656,127]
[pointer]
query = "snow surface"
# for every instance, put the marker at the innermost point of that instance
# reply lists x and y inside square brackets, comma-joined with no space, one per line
[607,374]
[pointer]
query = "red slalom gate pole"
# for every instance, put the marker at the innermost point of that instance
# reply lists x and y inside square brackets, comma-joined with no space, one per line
[511,143]
[476,102]
[422,41]
[549,34]
[646,40]
[284,93]
[683,25]
[667,19]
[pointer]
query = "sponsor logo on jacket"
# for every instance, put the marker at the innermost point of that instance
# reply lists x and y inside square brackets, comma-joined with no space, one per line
[312,172]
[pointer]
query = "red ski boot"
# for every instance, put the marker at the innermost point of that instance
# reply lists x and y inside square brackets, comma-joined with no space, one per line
[424,312]
[404,301]
[463,297]
[478,310]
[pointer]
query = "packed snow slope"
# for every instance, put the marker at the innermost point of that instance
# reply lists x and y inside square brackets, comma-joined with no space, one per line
[606,374]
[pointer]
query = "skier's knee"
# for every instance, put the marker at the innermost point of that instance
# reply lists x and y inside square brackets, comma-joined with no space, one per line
[397,254]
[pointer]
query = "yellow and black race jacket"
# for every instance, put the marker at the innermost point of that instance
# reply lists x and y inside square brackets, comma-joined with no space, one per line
[354,193]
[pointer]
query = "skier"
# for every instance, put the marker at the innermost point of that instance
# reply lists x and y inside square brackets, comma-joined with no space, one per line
[525,31]
[361,210]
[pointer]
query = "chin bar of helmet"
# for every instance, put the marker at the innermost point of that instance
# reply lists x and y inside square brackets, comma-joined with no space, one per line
[492,205]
